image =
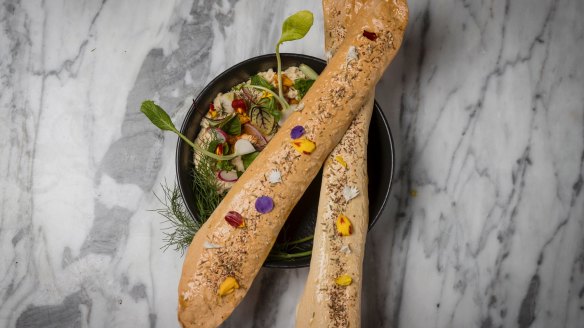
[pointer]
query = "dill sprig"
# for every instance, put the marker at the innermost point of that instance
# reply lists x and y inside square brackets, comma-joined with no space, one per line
[205,188]
[181,226]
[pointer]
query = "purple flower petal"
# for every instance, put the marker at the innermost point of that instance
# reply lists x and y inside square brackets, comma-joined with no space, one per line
[297,132]
[264,204]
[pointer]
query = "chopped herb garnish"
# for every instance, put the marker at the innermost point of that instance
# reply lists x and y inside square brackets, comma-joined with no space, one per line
[302,85]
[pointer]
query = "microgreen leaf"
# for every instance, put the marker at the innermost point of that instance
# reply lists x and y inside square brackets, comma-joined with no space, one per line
[157,116]
[160,118]
[294,27]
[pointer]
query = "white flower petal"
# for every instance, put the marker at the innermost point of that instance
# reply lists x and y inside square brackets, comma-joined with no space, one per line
[274,176]
[346,249]
[350,192]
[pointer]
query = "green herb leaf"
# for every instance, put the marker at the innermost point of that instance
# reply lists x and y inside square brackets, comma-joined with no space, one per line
[157,116]
[258,80]
[231,126]
[296,26]
[225,166]
[248,159]
[302,86]
[213,145]
[262,120]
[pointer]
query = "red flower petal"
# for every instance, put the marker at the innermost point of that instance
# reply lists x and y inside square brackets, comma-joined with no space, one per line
[370,35]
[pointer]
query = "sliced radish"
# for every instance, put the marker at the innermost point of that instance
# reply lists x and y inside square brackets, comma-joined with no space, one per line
[251,130]
[243,147]
[218,133]
[227,176]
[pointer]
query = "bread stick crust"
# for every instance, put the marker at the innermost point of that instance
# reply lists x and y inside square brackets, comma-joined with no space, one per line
[329,107]
[323,302]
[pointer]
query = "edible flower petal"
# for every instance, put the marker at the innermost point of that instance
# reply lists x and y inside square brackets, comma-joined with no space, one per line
[274,176]
[350,192]
[304,146]
[239,106]
[341,161]
[264,204]
[370,35]
[234,219]
[212,111]
[227,286]
[297,132]
[344,280]
[219,149]
[346,249]
[344,226]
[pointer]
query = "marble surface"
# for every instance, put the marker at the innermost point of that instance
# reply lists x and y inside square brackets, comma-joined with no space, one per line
[485,225]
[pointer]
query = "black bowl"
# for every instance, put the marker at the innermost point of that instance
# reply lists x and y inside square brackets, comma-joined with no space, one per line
[303,217]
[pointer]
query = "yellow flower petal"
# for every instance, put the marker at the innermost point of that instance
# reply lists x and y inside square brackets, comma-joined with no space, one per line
[344,226]
[304,146]
[341,161]
[344,280]
[227,286]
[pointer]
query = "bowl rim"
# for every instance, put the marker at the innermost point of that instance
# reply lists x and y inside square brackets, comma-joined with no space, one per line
[192,110]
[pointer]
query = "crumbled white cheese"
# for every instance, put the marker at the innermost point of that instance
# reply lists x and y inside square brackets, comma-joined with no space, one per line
[350,192]
[292,93]
[209,245]
[268,75]
[299,107]
[274,176]
[294,73]
[346,249]
[352,54]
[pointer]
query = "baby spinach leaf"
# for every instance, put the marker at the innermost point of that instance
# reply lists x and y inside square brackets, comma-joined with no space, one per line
[248,159]
[231,125]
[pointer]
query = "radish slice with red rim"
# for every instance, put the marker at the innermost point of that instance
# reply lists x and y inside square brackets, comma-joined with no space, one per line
[227,176]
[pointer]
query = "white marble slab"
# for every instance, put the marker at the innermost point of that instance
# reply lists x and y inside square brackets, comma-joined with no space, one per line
[485,227]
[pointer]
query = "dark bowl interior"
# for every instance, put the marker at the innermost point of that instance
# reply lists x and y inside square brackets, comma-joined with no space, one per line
[303,217]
